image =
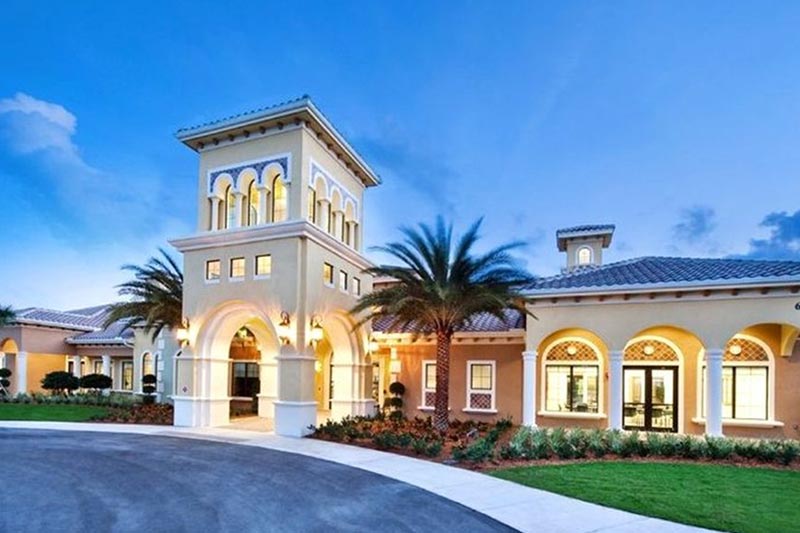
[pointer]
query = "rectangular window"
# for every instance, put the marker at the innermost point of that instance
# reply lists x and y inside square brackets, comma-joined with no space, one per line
[263,266]
[71,367]
[98,367]
[245,382]
[327,274]
[127,375]
[212,270]
[357,286]
[744,392]
[343,280]
[480,385]
[428,384]
[312,205]
[571,388]
[237,268]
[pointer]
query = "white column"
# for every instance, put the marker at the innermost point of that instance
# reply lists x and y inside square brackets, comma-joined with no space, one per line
[107,365]
[76,365]
[21,365]
[263,199]
[714,392]
[324,209]
[615,386]
[237,210]
[529,388]
[268,376]
[296,407]
[215,213]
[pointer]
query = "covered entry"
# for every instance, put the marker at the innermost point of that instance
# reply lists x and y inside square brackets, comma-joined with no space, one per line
[650,385]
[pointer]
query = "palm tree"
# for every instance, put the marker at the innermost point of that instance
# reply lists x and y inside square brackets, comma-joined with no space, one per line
[7,315]
[441,285]
[156,292]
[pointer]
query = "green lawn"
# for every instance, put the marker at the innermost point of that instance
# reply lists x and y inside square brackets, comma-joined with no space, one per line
[59,413]
[722,497]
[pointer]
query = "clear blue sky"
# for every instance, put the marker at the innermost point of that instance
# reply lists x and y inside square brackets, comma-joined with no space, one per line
[678,122]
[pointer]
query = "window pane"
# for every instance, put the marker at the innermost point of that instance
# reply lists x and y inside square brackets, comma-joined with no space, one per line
[230,206]
[237,267]
[254,203]
[357,286]
[481,378]
[343,280]
[751,393]
[127,375]
[327,273]
[278,200]
[312,205]
[430,376]
[727,392]
[557,388]
[263,265]
[584,389]
[212,269]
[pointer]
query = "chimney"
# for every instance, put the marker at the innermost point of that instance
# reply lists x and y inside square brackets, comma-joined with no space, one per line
[584,245]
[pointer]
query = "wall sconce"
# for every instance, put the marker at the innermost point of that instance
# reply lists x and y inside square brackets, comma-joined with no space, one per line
[373,345]
[284,332]
[316,330]
[317,366]
[182,334]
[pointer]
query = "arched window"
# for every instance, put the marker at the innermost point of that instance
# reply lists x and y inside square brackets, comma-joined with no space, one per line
[572,370]
[279,212]
[147,364]
[253,204]
[230,207]
[312,205]
[584,255]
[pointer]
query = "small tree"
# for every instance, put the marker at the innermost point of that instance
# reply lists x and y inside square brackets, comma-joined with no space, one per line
[5,383]
[397,390]
[60,382]
[95,382]
[149,388]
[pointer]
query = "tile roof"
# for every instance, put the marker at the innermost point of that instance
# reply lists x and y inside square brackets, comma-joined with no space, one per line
[655,272]
[480,323]
[239,117]
[89,321]
[585,229]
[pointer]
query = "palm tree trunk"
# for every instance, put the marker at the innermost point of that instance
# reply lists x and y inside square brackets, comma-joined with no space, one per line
[441,416]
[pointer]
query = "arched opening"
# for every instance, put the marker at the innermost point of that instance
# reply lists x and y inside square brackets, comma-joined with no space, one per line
[8,359]
[253,204]
[279,200]
[146,367]
[584,256]
[244,374]
[230,207]
[656,393]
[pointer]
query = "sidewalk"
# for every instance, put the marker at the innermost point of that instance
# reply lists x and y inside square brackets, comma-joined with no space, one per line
[520,507]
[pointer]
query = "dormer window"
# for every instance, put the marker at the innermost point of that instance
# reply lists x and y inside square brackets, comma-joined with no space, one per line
[584,256]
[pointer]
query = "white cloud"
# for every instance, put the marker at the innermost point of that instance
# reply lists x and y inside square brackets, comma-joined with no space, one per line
[45,125]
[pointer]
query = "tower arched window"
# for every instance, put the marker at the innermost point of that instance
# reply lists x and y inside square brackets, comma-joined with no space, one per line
[253,204]
[230,207]
[584,256]
[312,205]
[279,207]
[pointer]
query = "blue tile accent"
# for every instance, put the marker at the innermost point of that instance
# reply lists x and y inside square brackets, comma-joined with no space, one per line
[258,166]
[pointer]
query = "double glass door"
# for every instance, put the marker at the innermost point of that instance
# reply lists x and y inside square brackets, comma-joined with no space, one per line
[650,398]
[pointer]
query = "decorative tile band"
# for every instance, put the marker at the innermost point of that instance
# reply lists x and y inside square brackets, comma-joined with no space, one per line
[257,166]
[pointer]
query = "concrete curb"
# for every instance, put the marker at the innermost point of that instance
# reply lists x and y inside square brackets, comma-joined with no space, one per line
[516,506]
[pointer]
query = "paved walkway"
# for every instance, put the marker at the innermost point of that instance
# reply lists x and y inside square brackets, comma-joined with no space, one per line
[522,508]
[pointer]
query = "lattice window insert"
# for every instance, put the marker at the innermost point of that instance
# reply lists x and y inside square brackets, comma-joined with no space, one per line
[430,399]
[480,400]
[571,351]
[739,349]
[650,350]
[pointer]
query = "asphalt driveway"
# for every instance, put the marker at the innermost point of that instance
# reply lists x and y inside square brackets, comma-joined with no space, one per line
[80,481]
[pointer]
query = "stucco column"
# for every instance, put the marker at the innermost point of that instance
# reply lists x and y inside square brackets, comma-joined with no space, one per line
[215,213]
[237,209]
[714,392]
[76,365]
[107,371]
[263,200]
[296,406]
[615,389]
[322,216]
[529,388]
[21,364]
[268,378]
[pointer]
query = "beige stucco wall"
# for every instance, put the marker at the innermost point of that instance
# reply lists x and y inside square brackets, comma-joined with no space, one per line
[41,364]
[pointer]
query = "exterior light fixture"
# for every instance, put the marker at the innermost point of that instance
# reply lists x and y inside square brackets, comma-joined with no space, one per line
[182,334]
[316,330]
[284,332]
[395,366]
[373,346]
[735,349]
[649,350]
[317,366]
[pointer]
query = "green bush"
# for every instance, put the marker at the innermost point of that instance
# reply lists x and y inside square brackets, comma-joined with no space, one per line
[788,451]
[561,445]
[719,447]
[479,451]
[767,451]
[60,382]
[630,445]
[385,440]
[434,448]
[397,388]
[596,443]
[97,382]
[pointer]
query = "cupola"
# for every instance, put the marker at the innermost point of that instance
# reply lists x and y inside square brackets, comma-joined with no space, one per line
[584,244]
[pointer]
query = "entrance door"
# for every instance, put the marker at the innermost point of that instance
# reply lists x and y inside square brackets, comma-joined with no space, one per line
[650,398]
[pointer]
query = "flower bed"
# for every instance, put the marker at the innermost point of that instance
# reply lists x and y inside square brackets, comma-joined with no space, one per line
[83,398]
[482,445]
[158,414]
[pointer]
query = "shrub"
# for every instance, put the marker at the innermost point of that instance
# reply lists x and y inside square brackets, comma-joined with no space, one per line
[692,448]
[788,451]
[385,440]
[654,444]
[579,441]
[5,373]
[630,444]
[614,440]
[97,382]
[596,443]
[148,388]
[767,451]
[397,388]
[561,445]
[482,449]
[719,447]
[434,448]
[60,382]
[395,402]
[746,449]
[670,445]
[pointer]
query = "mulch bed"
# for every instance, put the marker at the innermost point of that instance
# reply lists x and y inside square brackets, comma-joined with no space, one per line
[160,414]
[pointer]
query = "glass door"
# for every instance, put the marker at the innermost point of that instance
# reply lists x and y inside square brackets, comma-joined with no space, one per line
[650,398]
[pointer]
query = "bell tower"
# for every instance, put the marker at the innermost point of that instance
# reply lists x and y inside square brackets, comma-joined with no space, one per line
[584,245]
[276,252]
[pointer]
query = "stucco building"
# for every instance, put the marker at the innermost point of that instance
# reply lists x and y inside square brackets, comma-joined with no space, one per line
[276,261]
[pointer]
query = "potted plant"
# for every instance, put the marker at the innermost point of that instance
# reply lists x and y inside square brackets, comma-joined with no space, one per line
[149,389]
